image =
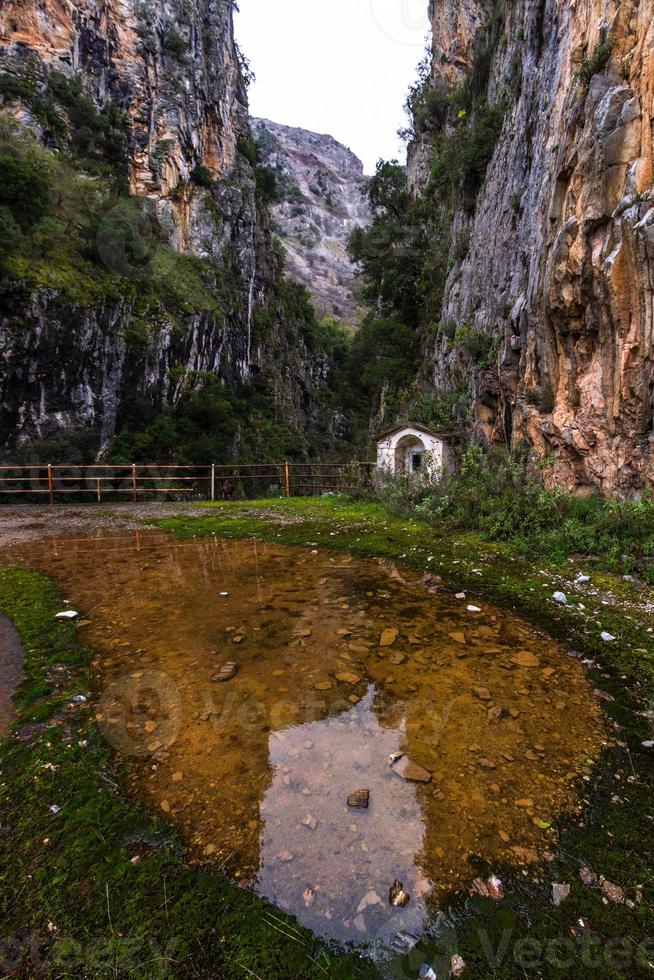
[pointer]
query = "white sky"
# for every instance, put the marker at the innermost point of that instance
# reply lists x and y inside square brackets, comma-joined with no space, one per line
[342,67]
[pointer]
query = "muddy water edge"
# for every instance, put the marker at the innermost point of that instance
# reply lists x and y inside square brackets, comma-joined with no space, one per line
[11,661]
[338,664]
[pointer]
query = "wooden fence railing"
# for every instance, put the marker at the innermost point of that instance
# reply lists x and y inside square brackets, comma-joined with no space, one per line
[213,482]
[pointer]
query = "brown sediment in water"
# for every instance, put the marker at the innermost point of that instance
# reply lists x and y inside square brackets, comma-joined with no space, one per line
[341,662]
[11,661]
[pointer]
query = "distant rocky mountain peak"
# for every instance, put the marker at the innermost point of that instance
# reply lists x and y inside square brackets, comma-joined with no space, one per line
[322,198]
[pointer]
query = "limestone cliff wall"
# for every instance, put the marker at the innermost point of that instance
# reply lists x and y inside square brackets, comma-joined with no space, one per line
[173,69]
[557,263]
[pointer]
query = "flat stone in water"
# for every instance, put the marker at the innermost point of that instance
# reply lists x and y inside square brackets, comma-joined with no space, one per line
[226,672]
[398,895]
[347,678]
[410,771]
[359,800]
[525,659]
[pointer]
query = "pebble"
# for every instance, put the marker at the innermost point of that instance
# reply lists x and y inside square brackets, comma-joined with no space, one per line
[559,894]
[359,800]
[607,637]
[388,637]
[525,659]
[411,771]
[588,877]
[613,892]
[491,888]
[347,678]
[308,897]
[226,672]
[310,822]
[398,896]
[369,899]
[457,966]
[561,598]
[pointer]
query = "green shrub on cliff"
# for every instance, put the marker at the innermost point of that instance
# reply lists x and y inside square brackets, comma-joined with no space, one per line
[597,61]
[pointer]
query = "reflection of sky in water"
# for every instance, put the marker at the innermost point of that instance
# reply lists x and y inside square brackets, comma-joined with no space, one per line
[351,853]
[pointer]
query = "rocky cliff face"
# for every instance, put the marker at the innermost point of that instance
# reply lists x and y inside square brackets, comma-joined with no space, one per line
[322,199]
[168,75]
[555,267]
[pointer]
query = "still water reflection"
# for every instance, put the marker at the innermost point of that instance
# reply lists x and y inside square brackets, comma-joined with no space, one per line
[338,664]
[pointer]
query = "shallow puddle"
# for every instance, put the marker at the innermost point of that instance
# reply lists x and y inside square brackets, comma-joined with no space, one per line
[340,663]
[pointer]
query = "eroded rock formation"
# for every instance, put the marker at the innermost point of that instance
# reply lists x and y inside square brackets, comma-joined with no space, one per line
[322,199]
[556,265]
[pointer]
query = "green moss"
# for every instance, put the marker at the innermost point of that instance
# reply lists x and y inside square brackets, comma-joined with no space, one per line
[73,903]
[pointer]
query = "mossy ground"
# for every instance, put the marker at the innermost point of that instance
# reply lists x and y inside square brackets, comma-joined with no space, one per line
[159,918]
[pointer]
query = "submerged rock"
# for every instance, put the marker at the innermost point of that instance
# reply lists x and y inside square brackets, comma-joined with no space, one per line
[491,888]
[404,942]
[411,771]
[525,659]
[369,899]
[226,673]
[347,678]
[398,896]
[388,637]
[359,800]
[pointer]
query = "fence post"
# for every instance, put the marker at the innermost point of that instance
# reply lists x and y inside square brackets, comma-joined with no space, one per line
[50,484]
[213,481]
[134,494]
[287,478]
[98,490]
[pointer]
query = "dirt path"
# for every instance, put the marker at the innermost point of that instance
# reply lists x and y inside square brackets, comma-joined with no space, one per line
[24,523]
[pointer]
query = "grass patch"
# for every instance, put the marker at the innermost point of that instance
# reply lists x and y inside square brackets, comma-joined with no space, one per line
[73,903]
